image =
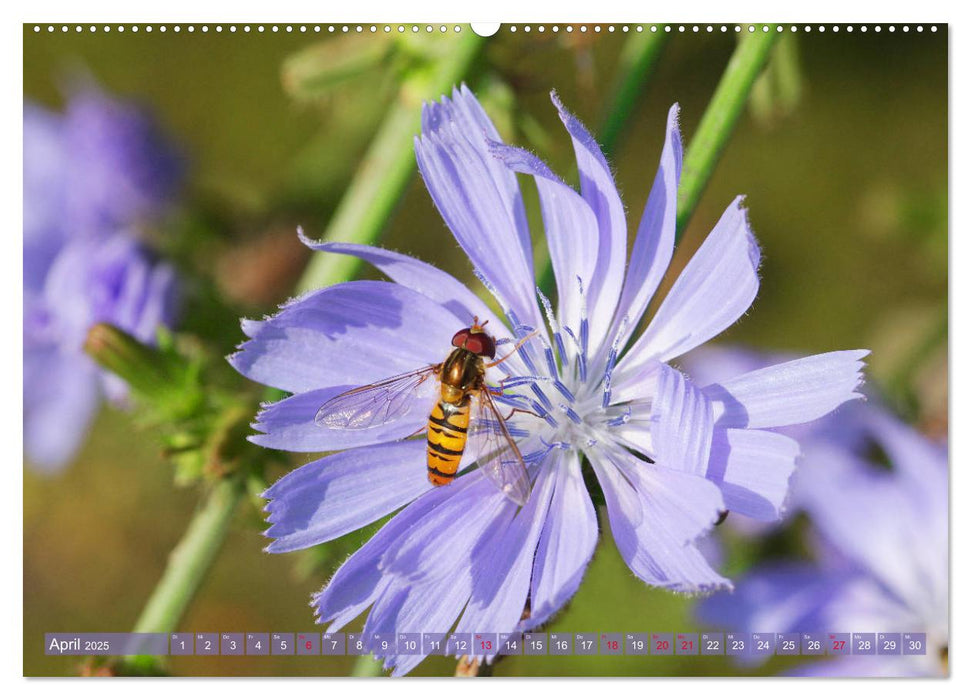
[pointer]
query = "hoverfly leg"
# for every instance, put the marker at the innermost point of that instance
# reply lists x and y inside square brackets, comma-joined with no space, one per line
[500,391]
[418,432]
[521,410]
[515,348]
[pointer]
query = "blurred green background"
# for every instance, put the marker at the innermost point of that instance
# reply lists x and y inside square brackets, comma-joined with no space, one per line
[847,189]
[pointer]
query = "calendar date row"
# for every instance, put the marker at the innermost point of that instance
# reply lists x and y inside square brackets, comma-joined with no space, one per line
[488,644]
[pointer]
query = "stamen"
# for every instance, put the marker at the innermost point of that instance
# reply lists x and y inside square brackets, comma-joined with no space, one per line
[542,397]
[620,419]
[514,431]
[521,331]
[611,361]
[571,414]
[512,382]
[584,345]
[581,358]
[554,327]
[544,414]
[537,456]
[550,361]
[556,445]
[567,394]
[584,332]
[491,289]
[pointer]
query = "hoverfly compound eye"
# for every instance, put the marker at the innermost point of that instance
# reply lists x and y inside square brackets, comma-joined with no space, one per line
[481,344]
[475,341]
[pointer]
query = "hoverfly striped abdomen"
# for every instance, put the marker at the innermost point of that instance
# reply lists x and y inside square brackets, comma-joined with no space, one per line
[448,427]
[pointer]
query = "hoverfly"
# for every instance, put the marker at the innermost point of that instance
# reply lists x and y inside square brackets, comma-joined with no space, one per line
[465,411]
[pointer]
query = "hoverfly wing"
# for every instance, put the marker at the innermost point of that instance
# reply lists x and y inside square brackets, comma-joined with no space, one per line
[375,404]
[496,452]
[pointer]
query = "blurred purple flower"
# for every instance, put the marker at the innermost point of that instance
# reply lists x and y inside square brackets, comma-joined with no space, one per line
[91,176]
[668,456]
[881,550]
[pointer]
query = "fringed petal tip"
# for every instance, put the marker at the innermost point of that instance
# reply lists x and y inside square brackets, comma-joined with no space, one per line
[310,242]
[674,118]
[520,160]
[705,591]
[579,132]
[754,250]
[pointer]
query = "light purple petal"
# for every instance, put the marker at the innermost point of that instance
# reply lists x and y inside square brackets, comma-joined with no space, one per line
[655,516]
[714,364]
[682,424]
[753,468]
[343,492]
[350,334]
[431,548]
[654,245]
[479,199]
[599,191]
[421,277]
[110,279]
[122,166]
[639,385]
[290,424]
[790,393]
[501,571]
[431,565]
[864,603]
[566,545]
[910,452]
[921,473]
[867,515]
[464,109]
[60,401]
[571,231]
[686,504]
[159,305]
[45,154]
[775,598]
[428,606]
[360,580]
[70,289]
[715,288]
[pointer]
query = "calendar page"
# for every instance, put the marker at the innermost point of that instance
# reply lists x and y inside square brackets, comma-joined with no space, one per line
[520,349]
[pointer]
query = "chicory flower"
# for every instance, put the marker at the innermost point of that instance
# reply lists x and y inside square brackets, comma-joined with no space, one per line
[594,398]
[91,177]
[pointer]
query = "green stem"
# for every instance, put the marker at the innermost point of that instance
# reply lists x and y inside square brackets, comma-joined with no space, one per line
[191,558]
[188,563]
[720,118]
[366,667]
[387,166]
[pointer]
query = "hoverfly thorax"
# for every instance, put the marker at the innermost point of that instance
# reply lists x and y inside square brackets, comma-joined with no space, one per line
[461,372]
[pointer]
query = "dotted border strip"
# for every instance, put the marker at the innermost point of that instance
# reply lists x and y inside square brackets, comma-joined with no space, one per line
[512,28]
